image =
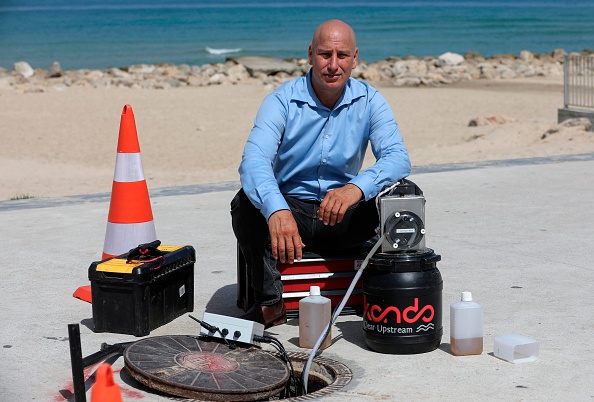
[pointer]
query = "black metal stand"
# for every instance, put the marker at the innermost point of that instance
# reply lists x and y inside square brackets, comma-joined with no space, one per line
[79,363]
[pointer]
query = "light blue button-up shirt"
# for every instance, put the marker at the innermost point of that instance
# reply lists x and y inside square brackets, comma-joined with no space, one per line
[301,148]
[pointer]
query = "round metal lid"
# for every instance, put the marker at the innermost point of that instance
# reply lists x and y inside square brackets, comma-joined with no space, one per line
[191,367]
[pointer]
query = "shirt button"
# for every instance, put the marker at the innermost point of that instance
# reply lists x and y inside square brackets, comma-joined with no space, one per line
[324,160]
[326,136]
[321,177]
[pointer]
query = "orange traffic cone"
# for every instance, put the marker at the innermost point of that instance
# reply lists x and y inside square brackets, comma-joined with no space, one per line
[130,220]
[105,389]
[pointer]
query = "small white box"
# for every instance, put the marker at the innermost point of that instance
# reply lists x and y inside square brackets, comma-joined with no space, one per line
[516,348]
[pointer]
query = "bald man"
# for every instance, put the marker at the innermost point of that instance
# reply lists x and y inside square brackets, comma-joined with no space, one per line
[302,184]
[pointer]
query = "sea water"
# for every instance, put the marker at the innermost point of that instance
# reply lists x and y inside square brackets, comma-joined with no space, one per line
[97,34]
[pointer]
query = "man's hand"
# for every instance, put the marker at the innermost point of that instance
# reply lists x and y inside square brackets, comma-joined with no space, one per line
[284,236]
[336,202]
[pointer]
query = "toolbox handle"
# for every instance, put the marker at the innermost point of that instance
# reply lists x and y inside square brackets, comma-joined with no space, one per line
[147,253]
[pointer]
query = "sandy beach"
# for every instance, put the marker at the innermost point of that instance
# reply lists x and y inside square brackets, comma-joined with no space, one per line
[63,142]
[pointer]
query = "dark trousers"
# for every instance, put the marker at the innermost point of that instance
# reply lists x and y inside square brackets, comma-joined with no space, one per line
[251,230]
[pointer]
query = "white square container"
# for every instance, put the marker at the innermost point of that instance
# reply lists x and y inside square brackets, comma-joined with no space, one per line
[516,348]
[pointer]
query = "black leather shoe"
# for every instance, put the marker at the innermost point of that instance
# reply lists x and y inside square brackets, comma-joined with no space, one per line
[269,316]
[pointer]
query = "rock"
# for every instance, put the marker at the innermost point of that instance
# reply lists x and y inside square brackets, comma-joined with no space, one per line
[506,56]
[490,120]
[525,55]
[6,82]
[282,77]
[583,122]
[99,82]
[93,75]
[451,59]
[579,122]
[197,80]
[417,67]
[558,54]
[142,69]
[238,73]
[438,78]
[185,68]
[119,73]
[506,72]
[371,74]
[55,70]
[23,68]
[169,70]
[271,72]
[216,79]
[487,71]
[409,82]
[357,73]
[265,64]
[175,83]
[473,56]
[124,82]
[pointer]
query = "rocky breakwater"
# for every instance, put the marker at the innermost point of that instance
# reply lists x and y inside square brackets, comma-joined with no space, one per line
[445,69]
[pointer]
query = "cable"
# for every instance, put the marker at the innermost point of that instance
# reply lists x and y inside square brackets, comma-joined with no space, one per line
[285,357]
[212,328]
[387,190]
[305,374]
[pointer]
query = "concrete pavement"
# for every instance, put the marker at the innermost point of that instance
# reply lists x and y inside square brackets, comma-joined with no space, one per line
[518,234]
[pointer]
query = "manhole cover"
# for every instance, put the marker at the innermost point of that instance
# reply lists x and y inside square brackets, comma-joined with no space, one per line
[187,366]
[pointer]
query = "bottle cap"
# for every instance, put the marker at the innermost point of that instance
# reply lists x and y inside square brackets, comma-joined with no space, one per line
[314,291]
[466,296]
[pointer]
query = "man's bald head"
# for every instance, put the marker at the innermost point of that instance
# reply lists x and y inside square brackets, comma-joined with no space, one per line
[332,54]
[334,29]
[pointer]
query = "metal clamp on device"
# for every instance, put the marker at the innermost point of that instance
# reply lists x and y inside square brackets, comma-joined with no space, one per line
[402,217]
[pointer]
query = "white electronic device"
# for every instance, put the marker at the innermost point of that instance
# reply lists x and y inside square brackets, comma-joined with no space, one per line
[231,328]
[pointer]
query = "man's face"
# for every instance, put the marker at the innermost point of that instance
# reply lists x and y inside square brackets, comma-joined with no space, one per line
[332,57]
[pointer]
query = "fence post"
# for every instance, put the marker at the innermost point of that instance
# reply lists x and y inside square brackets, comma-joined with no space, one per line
[565,81]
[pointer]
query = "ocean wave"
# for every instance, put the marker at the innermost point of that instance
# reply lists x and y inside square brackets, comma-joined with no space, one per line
[210,50]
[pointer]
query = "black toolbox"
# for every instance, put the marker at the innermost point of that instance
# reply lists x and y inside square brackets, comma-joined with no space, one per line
[134,296]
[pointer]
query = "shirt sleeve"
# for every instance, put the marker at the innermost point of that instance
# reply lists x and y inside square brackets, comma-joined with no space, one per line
[256,168]
[392,160]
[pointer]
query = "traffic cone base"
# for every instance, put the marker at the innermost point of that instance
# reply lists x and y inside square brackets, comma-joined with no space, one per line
[83,293]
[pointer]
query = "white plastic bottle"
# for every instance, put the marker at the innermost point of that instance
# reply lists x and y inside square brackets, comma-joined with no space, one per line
[314,316]
[466,327]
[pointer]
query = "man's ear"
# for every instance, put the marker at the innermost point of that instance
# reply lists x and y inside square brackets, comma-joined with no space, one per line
[310,55]
[355,57]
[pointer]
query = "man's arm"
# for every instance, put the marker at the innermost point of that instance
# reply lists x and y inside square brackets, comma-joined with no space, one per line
[284,237]
[260,151]
[392,164]
[336,202]
[392,160]
[260,185]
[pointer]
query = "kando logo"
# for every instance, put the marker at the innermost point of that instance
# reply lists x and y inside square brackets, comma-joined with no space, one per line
[375,313]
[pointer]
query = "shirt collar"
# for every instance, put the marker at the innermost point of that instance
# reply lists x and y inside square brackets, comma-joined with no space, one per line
[305,93]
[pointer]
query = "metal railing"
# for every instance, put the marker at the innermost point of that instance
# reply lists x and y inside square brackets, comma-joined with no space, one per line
[578,81]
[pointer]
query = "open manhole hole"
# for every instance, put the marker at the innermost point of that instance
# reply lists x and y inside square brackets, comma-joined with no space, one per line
[194,368]
[325,375]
